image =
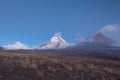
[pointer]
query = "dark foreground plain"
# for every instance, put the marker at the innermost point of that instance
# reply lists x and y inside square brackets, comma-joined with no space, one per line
[56,65]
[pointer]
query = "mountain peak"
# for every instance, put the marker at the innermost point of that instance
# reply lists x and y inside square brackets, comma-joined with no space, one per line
[16,45]
[98,39]
[101,38]
[54,42]
[57,38]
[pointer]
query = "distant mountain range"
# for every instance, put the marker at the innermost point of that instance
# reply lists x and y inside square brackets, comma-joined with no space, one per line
[56,41]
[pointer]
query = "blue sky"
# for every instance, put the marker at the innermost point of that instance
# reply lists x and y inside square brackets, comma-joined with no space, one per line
[35,21]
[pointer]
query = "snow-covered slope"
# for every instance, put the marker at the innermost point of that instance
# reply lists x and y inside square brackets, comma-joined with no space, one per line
[16,46]
[55,42]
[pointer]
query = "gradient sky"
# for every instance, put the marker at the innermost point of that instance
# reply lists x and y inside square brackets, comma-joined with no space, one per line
[35,21]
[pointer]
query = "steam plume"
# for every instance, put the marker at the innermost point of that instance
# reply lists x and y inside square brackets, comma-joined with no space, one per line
[108,28]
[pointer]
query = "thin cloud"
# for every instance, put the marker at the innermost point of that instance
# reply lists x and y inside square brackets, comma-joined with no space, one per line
[108,28]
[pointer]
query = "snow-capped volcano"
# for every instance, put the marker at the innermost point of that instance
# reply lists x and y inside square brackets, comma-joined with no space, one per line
[16,46]
[55,42]
[99,39]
